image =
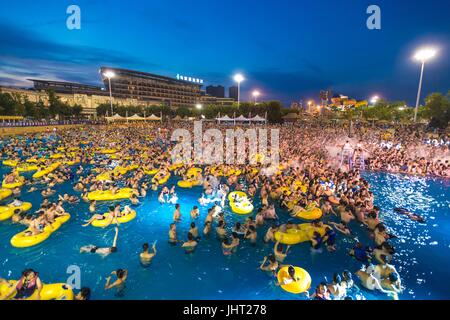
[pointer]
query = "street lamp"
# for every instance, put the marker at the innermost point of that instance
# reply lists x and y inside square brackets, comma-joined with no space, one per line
[256,94]
[374,99]
[309,105]
[422,55]
[239,78]
[198,106]
[110,74]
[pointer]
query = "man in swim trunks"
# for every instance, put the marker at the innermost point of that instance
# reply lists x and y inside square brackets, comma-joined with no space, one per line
[102,251]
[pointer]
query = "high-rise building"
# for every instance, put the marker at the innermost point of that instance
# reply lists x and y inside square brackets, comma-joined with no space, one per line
[233,92]
[129,84]
[216,91]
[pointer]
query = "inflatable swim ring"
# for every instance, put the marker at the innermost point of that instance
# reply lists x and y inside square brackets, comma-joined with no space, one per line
[22,240]
[26,167]
[304,232]
[107,195]
[243,206]
[162,180]
[54,291]
[10,163]
[151,172]
[123,219]
[302,284]
[5,193]
[310,214]
[47,170]
[20,181]
[7,212]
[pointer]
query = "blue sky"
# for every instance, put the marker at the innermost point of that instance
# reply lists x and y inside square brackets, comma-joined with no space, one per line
[288,49]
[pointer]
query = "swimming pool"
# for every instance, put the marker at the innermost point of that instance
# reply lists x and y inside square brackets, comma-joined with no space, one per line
[422,249]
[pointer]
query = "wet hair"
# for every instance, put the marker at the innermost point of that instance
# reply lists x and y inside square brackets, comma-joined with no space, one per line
[195,207]
[234,235]
[27,272]
[120,273]
[393,277]
[145,246]
[111,208]
[221,223]
[337,278]
[291,272]
[237,225]
[226,241]
[190,236]
[85,293]
[272,258]
[177,206]
[347,275]
[192,224]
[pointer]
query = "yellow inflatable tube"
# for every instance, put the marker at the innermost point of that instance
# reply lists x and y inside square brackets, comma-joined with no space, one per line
[302,280]
[54,291]
[7,212]
[47,170]
[189,183]
[310,214]
[10,163]
[99,195]
[22,240]
[20,181]
[105,176]
[108,151]
[151,172]
[302,233]
[244,206]
[26,167]
[162,180]
[5,193]
[123,219]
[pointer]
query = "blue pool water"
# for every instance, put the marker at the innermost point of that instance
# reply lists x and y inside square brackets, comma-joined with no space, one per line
[422,258]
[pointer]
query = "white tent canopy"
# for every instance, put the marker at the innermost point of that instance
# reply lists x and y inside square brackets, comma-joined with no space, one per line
[241,118]
[257,118]
[115,117]
[135,117]
[153,118]
[224,118]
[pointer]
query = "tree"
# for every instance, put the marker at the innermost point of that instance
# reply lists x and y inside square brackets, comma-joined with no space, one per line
[274,112]
[437,108]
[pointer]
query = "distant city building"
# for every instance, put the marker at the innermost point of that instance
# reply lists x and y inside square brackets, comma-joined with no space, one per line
[233,92]
[216,91]
[210,100]
[66,87]
[143,86]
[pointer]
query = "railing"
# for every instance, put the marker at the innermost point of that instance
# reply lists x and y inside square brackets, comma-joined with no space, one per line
[31,123]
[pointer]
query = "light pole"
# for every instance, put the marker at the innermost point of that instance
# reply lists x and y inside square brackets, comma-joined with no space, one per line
[422,55]
[239,78]
[374,100]
[109,75]
[256,94]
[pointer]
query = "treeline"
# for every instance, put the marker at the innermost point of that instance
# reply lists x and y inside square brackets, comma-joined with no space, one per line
[436,110]
[272,108]
[17,105]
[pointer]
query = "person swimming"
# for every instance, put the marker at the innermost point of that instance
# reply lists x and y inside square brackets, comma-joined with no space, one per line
[410,215]
[102,251]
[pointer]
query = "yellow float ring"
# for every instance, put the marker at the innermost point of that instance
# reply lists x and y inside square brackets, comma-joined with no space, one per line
[302,284]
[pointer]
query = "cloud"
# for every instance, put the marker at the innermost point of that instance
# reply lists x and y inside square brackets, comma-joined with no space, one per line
[26,54]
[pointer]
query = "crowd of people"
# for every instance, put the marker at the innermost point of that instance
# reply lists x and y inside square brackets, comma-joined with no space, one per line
[319,172]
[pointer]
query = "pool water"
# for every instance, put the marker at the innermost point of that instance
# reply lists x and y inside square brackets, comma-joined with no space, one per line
[422,258]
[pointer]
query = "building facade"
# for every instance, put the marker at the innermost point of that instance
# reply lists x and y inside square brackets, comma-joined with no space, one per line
[151,88]
[233,92]
[67,87]
[89,103]
[210,100]
[216,91]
